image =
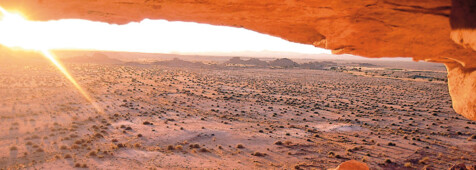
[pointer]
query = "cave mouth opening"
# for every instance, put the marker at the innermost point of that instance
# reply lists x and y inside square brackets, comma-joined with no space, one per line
[146,36]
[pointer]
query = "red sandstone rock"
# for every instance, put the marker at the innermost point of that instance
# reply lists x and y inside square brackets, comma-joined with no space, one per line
[352,165]
[462,87]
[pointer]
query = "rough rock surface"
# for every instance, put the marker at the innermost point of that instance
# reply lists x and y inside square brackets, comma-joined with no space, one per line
[463,23]
[462,87]
[352,165]
[430,30]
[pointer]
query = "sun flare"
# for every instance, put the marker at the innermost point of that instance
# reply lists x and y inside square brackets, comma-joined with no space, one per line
[16,20]
[146,36]
[68,76]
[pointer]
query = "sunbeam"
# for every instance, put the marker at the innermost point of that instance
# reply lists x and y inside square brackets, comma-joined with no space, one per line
[68,76]
[16,20]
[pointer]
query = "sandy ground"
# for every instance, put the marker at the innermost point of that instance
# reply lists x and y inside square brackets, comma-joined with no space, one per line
[174,118]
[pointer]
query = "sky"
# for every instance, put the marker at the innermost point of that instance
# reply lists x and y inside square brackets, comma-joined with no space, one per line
[148,36]
[151,36]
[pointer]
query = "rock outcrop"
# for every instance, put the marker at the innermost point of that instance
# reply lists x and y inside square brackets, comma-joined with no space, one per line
[462,86]
[251,62]
[283,63]
[352,165]
[430,30]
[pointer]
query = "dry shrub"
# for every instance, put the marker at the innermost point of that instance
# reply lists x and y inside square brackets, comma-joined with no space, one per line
[92,153]
[240,146]
[258,154]
[195,145]
[13,148]
[423,160]
[67,156]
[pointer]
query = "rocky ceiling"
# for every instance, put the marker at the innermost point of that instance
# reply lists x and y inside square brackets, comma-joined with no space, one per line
[430,30]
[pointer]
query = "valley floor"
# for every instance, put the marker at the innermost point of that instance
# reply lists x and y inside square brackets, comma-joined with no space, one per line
[169,117]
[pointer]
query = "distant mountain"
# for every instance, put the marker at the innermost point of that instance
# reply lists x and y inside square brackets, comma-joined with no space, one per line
[317,65]
[279,63]
[176,62]
[96,58]
[256,62]
[251,62]
[367,65]
[235,60]
[283,63]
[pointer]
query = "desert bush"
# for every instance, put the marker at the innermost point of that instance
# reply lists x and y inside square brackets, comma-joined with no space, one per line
[423,160]
[240,146]
[195,145]
[92,153]
[13,148]
[67,156]
[258,154]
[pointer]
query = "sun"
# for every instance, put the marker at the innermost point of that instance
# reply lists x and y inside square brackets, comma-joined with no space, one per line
[14,20]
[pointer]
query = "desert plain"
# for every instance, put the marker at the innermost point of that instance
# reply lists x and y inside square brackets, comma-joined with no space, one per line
[231,114]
